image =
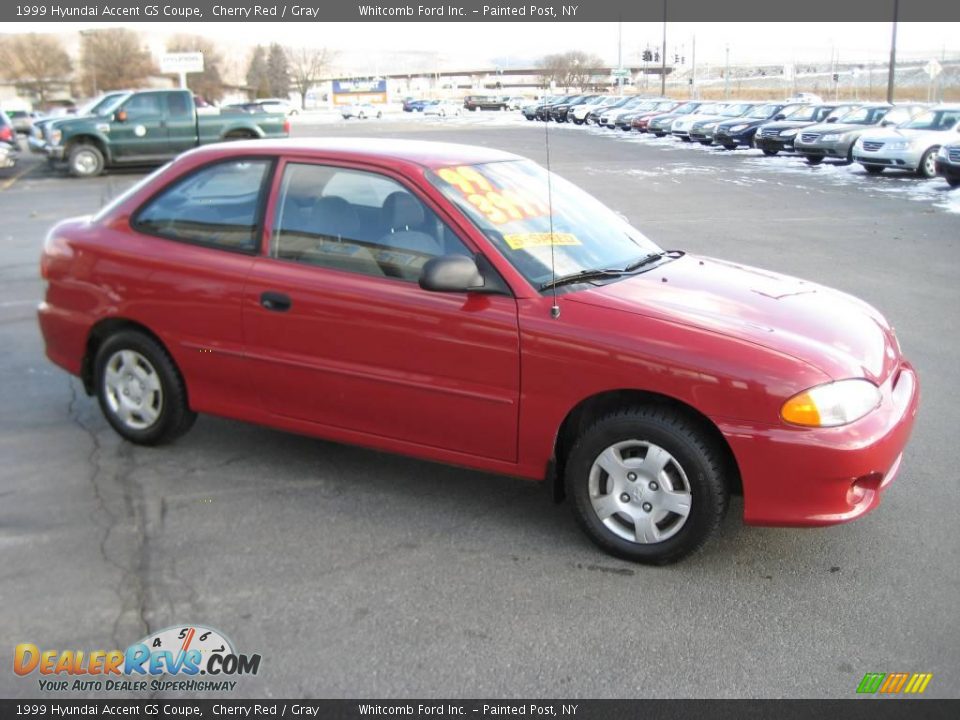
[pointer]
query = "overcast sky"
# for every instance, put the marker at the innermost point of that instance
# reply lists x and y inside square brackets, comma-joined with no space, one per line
[472,43]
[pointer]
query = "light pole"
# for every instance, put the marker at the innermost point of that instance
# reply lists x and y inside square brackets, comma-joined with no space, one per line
[893,53]
[726,76]
[663,54]
[91,59]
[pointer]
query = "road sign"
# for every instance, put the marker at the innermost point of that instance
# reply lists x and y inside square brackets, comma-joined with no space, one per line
[933,68]
[178,63]
[620,72]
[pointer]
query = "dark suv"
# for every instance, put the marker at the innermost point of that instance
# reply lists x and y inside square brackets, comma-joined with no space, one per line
[484,102]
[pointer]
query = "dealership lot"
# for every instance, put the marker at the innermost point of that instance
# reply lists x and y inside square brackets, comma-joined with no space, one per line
[355,573]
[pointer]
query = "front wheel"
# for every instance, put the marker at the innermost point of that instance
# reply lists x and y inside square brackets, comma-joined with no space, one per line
[729,146]
[768,152]
[928,164]
[85,161]
[647,484]
[814,159]
[874,169]
[140,390]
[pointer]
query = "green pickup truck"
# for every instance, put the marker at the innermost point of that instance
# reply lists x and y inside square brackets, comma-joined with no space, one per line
[151,126]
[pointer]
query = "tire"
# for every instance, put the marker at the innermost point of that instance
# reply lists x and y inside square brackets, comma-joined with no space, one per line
[360,115]
[379,114]
[928,164]
[768,152]
[140,390]
[85,160]
[814,159]
[577,122]
[874,169]
[689,462]
[686,139]
[729,146]
[953,181]
[706,143]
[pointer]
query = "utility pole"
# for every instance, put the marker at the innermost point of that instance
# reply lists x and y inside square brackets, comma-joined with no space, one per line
[893,53]
[663,54]
[693,69]
[619,56]
[726,76]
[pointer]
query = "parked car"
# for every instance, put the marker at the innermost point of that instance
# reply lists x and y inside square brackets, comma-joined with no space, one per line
[278,105]
[910,146]
[682,125]
[624,120]
[442,108]
[542,111]
[948,163]
[9,145]
[149,126]
[516,102]
[22,120]
[561,111]
[413,104]
[484,102]
[578,114]
[732,134]
[211,287]
[778,136]
[641,122]
[660,125]
[614,103]
[609,117]
[361,111]
[835,137]
[703,130]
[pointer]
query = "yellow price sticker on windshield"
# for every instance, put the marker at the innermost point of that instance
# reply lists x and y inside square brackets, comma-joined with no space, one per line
[522,241]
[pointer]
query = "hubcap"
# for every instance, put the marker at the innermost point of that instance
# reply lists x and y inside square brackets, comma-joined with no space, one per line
[85,162]
[930,165]
[132,389]
[639,492]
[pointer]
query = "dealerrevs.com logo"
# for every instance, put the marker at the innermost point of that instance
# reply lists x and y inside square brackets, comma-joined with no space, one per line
[894,683]
[184,658]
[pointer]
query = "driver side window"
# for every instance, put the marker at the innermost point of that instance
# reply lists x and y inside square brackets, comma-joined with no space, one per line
[143,105]
[357,221]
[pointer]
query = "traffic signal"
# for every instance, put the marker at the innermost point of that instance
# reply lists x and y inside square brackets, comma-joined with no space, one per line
[647,56]
[836,77]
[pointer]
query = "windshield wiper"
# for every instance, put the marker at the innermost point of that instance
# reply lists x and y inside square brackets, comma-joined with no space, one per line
[643,262]
[581,276]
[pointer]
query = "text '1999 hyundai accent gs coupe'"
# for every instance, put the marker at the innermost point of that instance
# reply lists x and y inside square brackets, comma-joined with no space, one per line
[462,305]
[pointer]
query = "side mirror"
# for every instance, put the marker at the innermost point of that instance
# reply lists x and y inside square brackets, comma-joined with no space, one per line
[780,116]
[886,123]
[120,116]
[831,119]
[451,273]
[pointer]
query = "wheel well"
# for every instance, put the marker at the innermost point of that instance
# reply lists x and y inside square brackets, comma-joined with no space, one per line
[240,134]
[100,332]
[86,140]
[589,410]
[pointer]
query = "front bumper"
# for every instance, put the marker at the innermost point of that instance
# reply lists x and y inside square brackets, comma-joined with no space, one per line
[948,169]
[820,148]
[823,476]
[777,144]
[725,137]
[907,159]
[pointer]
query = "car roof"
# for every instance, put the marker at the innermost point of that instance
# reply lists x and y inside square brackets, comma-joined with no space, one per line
[418,152]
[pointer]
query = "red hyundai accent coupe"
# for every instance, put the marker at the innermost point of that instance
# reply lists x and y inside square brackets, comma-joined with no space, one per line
[462,305]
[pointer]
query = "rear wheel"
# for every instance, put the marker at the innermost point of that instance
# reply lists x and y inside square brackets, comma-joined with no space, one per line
[729,146]
[647,484]
[706,143]
[140,389]
[928,164]
[85,160]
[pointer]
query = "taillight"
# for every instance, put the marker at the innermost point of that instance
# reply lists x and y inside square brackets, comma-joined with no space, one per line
[286,126]
[6,133]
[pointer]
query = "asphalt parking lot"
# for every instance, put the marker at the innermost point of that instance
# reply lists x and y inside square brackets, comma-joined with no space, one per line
[359,574]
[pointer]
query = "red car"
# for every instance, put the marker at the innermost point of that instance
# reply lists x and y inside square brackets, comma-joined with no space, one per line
[446,302]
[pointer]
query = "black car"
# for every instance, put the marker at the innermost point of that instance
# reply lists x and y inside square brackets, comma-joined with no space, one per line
[778,136]
[558,112]
[948,164]
[542,111]
[740,131]
[484,102]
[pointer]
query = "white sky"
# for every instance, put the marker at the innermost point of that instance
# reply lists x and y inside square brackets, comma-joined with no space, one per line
[469,44]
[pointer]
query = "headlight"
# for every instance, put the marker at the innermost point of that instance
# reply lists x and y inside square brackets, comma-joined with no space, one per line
[833,404]
[738,128]
[710,126]
[789,133]
[56,136]
[942,152]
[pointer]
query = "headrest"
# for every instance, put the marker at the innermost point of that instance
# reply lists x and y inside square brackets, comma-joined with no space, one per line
[402,210]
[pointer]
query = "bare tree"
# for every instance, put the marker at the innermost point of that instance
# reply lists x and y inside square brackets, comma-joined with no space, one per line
[114,59]
[568,70]
[307,67]
[35,63]
[209,83]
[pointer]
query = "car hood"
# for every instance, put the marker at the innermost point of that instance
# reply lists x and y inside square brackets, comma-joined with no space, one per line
[830,330]
[787,124]
[824,128]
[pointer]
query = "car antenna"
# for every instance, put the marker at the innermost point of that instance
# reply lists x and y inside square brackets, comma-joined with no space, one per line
[555,308]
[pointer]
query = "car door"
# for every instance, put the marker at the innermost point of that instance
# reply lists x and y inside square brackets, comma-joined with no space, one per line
[338,331]
[138,131]
[180,120]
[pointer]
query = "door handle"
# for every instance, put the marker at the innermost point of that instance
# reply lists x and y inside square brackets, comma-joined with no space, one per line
[276,301]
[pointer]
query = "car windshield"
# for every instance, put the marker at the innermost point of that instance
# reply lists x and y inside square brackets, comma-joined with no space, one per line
[686,109]
[735,110]
[806,112]
[763,112]
[864,116]
[539,224]
[934,120]
[666,105]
